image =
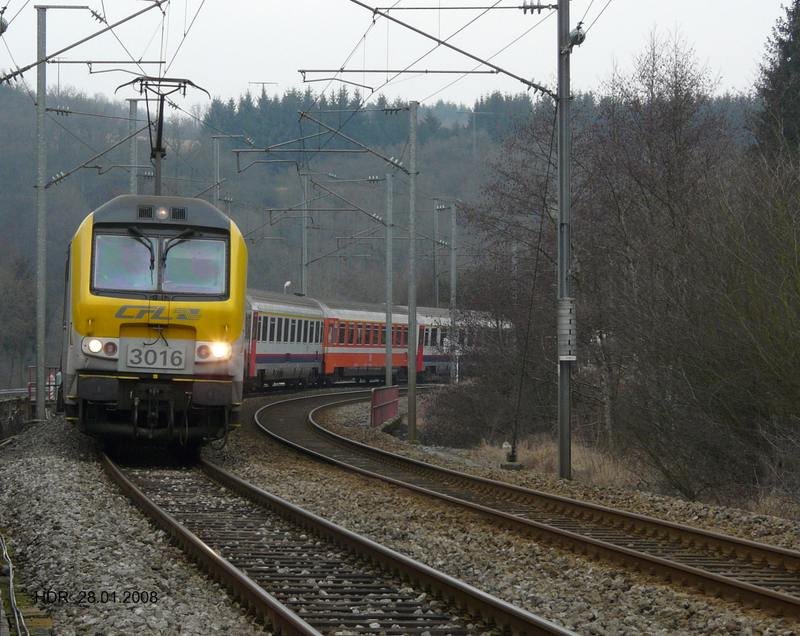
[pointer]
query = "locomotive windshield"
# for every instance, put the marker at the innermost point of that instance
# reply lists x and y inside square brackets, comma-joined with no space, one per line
[123,263]
[195,266]
[136,263]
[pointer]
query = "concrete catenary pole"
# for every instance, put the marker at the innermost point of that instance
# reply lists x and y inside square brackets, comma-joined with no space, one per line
[389,275]
[41,209]
[435,252]
[566,303]
[215,141]
[134,155]
[304,263]
[412,273]
[452,330]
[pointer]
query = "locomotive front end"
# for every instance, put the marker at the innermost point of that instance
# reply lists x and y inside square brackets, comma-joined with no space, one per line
[154,321]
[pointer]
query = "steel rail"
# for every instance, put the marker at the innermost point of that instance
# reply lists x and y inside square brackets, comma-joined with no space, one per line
[504,615]
[244,588]
[583,513]
[470,600]
[19,618]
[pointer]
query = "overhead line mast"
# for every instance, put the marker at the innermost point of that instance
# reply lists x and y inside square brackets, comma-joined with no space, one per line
[566,324]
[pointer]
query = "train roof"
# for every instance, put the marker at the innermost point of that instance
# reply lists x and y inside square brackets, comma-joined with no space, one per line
[274,301]
[348,310]
[142,208]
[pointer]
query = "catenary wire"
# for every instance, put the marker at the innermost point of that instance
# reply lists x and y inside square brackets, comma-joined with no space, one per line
[117,38]
[585,13]
[510,44]
[598,16]
[183,39]
[377,90]
[14,17]
[33,100]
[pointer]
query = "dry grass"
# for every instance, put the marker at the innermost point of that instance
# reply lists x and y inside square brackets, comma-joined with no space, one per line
[596,468]
[775,505]
[540,454]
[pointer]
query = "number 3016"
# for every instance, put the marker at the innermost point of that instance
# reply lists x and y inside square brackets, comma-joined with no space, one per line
[161,357]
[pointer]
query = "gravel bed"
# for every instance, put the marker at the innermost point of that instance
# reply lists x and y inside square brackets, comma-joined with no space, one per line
[73,531]
[587,596]
[349,422]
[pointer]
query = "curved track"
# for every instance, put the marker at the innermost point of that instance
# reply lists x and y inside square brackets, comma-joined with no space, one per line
[754,574]
[303,574]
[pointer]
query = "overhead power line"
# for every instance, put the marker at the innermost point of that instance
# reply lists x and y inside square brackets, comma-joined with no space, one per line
[47,58]
[602,11]
[420,71]
[524,7]
[374,91]
[530,84]
[510,44]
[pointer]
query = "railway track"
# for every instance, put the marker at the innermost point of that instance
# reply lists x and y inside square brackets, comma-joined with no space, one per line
[753,574]
[305,575]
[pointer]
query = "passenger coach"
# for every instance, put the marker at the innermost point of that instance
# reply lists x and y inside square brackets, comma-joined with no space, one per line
[298,340]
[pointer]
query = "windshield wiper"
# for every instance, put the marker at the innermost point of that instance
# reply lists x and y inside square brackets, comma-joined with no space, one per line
[175,240]
[138,236]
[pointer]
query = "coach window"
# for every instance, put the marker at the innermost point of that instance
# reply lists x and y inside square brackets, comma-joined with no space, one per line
[435,337]
[271,337]
[318,332]
[427,337]
[292,330]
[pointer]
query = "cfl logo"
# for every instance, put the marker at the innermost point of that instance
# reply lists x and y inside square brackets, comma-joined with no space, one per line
[140,312]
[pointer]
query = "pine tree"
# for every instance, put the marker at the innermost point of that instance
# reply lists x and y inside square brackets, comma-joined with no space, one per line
[779,85]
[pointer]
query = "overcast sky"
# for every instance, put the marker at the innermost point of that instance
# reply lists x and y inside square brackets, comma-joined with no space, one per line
[234,42]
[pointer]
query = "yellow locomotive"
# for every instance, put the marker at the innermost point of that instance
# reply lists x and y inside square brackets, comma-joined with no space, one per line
[154,321]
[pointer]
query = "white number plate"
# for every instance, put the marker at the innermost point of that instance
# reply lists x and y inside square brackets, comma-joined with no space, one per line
[156,356]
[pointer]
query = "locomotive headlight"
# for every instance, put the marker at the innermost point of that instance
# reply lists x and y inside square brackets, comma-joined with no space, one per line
[213,351]
[100,347]
[221,350]
[162,214]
